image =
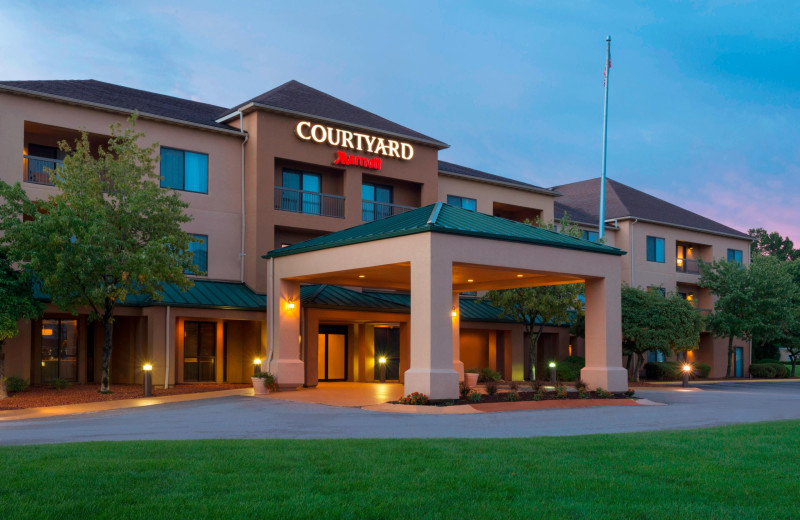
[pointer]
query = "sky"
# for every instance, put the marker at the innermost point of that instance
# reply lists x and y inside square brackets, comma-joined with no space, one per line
[704,96]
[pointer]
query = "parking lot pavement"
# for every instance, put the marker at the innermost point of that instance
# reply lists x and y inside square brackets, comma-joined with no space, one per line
[243,417]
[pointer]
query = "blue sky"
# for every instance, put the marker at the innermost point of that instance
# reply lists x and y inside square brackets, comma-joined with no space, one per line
[703,102]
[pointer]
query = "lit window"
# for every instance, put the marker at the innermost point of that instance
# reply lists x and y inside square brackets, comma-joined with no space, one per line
[655,249]
[182,170]
[462,202]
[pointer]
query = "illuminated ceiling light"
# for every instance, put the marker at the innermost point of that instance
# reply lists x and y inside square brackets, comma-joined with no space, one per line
[362,276]
[520,275]
[470,280]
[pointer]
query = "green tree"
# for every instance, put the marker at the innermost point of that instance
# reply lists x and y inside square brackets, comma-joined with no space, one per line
[16,303]
[772,244]
[751,301]
[684,323]
[110,231]
[790,336]
[644,328]
[536,307]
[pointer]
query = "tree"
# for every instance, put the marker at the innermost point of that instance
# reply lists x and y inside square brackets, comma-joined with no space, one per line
[536,307]
[790,337]
[684,323]
[751,301]
[110,232]
[16,303]
[772,244]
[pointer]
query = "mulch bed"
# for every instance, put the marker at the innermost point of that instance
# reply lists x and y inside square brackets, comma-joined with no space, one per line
[39,396]
[502,397]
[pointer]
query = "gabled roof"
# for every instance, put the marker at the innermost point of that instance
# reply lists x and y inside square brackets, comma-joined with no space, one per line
[107,95]
[583,198]
[456,170]
[443,218]
[296,98]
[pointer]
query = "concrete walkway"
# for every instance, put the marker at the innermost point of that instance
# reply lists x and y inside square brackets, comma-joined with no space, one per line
[244,417]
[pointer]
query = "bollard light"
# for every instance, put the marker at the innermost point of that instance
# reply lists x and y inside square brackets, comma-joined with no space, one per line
[553,372]
[148,379]
[382,368]
[687,369]
[256,367]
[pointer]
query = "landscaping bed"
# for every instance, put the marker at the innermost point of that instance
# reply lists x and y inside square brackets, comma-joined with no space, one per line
[560,394]
[39,396]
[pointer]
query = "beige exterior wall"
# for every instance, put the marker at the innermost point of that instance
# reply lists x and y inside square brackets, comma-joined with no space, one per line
[487,194]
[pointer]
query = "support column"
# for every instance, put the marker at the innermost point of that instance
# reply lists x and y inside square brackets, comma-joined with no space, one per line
[518,347]
[286,364]
[431,365]
[604,336]
[458,365]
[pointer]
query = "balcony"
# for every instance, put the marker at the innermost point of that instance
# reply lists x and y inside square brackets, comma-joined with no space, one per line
[309,202]
[685,265]
[372,210]
[37,169]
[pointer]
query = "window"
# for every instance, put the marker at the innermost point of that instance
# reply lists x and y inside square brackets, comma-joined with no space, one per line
[462,202]
[735,255]
[594,236]
[199,351]
[200,250]
[655,249]
[301,192]
[376,201]
[655,356]
[59,349]
[182,170]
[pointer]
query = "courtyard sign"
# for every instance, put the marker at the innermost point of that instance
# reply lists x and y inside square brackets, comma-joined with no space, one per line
[307,131]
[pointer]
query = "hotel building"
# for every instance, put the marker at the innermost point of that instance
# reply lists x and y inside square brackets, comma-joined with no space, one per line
[323,227]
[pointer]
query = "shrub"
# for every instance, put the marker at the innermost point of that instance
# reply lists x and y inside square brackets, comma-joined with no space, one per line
[491,387]
[580,384]
[60,384]
[16,384]
[663,370]
[536,385]
[603,393]
[701,370]
[769,370]
[512,396]
[629,392]
[780,370]
[463,390]
[561,392]
[583,394]
[487,374]
[568,371]
[415,398]
[762,361]
[475,397]
[538,396]
[269,381]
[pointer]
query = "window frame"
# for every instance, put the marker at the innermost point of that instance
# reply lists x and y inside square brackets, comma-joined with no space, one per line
[461,200]
[736,252]
[205,242]
[655,241]
[183,169]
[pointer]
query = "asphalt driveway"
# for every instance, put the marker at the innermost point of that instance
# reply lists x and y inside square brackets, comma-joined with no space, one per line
[242,417]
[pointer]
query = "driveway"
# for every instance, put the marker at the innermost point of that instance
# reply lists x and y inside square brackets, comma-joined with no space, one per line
[241,417]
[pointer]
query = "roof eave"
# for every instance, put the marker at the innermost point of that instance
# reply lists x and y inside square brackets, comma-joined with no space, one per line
[252,106]
[679,226]
[533,189]
[116,110]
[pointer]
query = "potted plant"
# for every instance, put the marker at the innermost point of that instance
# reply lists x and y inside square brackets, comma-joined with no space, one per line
[471,378]
[264,383]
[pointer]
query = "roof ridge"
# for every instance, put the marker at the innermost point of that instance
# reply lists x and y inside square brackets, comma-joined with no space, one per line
[435,213]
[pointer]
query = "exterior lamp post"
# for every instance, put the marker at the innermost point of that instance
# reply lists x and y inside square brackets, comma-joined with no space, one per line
[148,379]
[553,372]
[687,369]
[256,367]
[382,365]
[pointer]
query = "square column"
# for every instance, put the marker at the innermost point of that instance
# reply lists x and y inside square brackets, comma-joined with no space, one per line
[458,365]
[431,361]
[286,364]
[604,335]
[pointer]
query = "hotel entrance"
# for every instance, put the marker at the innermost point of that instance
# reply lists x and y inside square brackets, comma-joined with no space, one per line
[332,353]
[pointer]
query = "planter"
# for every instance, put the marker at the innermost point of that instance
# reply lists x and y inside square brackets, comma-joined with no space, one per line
[471,379]
[259,388]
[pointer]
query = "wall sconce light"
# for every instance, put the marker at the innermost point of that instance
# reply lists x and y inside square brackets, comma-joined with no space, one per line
[290,304]
[454,312]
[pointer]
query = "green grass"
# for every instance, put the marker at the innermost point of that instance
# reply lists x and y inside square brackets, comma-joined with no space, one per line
[737,472]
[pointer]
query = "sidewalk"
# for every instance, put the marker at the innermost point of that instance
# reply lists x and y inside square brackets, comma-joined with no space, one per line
[102,406]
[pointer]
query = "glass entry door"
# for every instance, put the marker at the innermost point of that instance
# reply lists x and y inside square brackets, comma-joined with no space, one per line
[387,343]
[332,353]
[199,351]
[59,349]
[739,362]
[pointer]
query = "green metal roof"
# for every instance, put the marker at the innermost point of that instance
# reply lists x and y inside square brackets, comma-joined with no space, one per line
[205,293]
[334,296]
[443,218]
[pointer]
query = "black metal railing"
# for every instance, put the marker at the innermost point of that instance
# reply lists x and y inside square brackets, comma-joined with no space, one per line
[684,265]
[37,169]
[309,202]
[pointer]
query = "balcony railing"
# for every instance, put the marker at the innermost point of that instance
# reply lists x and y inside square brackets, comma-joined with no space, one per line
[309,202]
[371,210]
[36,169]
[684,265]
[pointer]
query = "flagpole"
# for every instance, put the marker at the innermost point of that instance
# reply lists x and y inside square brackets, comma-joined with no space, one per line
[602,225]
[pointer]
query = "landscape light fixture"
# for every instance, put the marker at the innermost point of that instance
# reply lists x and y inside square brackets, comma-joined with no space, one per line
[148,379]
[382,368]
[256,367]
[687,369]
[553,372]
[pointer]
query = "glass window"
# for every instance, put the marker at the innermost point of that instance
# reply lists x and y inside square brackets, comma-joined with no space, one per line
[376,201]
[594,236]
[735,255]
[200,251]
[182,170]
[655,249]
[301,192]
[462,202]
[199,351]
[59,349]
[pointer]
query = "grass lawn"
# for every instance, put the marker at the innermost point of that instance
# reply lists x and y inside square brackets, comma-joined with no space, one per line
[738,472]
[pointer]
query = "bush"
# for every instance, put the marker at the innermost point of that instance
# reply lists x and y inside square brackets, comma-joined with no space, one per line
[767,361]
[475,397]
[416,398]
[561,392]
[60,384]
[629,392]
[487,374]
[583,394]
[603,394]
[512,396]
[769,370]
[491,387]
[463,390]
[780,370]
[569,368]
[15,384]
[701,370]
[536,385]
[269,381]
[663,370]
[580,384]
